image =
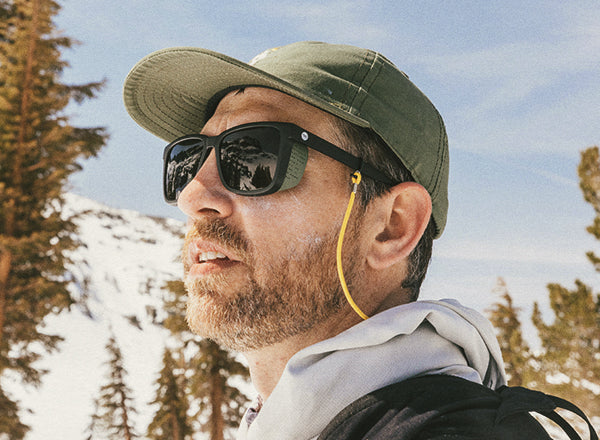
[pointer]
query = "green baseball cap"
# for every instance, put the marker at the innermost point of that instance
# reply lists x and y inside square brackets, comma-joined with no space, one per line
[173,92]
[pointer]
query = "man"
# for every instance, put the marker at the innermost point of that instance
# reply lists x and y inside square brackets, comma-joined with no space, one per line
[265,160]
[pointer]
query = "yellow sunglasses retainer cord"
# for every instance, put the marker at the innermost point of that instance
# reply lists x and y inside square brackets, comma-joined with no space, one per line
[356,178]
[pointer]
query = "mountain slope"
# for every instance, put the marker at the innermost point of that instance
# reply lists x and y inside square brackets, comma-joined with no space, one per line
[123,262]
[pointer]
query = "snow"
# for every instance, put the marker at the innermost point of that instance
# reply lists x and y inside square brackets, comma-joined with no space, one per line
[125,260]
[558,379]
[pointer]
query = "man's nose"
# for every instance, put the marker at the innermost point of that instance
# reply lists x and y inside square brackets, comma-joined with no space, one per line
[205,195]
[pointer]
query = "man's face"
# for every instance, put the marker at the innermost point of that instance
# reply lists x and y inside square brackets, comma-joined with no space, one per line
[262,269]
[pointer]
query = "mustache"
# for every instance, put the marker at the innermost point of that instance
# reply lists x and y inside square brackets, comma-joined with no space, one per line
[220,232]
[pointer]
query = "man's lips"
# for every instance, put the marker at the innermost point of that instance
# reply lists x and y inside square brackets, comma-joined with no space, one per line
[206,257]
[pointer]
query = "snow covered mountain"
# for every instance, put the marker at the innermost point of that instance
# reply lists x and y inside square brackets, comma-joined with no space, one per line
[125,259]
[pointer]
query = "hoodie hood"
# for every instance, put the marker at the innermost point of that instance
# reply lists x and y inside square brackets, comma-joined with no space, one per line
[420,338]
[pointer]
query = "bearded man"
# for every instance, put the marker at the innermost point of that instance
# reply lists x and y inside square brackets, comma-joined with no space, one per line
[319,293]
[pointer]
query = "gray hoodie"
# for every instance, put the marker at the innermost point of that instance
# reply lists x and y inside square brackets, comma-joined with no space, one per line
[424,337]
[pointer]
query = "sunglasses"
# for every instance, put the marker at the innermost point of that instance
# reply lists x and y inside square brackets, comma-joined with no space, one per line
[253,159]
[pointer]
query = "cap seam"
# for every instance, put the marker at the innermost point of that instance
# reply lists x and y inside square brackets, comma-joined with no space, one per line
[145,108]
[440,157]
[359,84]
[169,117]
[438,170]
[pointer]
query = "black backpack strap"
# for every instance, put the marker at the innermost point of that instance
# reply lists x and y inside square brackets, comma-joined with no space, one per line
[565,404]
[518,399]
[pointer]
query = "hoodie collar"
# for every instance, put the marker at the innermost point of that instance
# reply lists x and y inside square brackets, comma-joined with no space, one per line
[423,337]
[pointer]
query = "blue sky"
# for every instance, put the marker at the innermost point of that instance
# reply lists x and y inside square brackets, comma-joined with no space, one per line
[517,82]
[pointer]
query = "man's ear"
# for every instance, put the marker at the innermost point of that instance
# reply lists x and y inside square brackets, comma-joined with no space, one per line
[405,211]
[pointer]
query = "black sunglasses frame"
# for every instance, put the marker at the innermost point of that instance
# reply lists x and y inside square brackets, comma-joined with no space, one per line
[291,135]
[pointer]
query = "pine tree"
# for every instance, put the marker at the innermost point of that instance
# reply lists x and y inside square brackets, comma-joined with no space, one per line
[209,371]
[114,405]
[515,351]
[572,341]
[90,429]
[10,425]
[170,421]
[221,403]
[589,182]
[39,149]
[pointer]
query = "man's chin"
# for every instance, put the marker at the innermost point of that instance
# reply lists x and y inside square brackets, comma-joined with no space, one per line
[244,327]
[210,316]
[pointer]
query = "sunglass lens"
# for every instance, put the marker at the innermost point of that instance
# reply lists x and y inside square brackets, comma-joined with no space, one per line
[249,158]
[181,166]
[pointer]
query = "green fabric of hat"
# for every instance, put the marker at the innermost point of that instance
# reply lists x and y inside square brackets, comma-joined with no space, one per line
[173,92]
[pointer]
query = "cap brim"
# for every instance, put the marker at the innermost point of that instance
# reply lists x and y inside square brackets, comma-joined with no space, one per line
[173,92]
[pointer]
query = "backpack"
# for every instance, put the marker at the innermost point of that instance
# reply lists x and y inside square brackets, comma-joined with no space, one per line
[439,407]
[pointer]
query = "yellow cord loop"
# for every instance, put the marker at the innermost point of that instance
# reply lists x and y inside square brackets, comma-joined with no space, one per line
[356,178]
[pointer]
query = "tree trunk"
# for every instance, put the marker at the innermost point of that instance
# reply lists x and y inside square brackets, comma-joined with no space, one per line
[17,176]
[175,426]
[217,424]
[5,263]
[125,418]
[26,89]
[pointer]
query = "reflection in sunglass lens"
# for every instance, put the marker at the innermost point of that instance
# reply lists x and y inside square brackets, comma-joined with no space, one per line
[249,158]
[182,164]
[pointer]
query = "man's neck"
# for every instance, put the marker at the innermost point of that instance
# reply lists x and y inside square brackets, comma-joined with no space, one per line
[268,363]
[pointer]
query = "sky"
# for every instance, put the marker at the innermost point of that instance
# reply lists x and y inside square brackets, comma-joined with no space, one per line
[517,83]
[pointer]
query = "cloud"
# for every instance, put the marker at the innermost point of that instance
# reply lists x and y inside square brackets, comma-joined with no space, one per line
[535,93]
[538,56]
[546,102]
[512,251]
[551,176]
[538,62]
[342,21]
[559,124]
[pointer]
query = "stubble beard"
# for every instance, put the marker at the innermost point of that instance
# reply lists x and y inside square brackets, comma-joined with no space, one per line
[282,297]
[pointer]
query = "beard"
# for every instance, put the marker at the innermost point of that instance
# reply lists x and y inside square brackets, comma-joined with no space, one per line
[282,296]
